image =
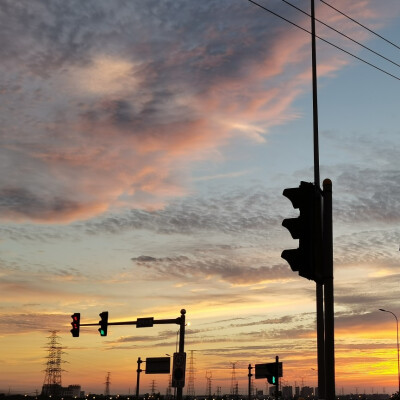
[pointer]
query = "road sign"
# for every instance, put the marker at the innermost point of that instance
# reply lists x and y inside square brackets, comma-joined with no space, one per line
[266,370]
[158,365]
[145,322]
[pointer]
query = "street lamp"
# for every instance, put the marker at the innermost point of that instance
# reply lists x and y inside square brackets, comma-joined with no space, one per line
[398,359]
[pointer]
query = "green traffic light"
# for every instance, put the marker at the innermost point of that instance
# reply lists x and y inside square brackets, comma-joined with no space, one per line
[273,380]
[102,333]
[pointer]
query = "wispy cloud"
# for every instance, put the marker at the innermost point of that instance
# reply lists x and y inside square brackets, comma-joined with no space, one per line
[117,124]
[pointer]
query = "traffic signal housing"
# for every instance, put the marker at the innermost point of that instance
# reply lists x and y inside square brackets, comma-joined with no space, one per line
[76,320]
[178,370]
[307,227]
[103,323]
[271,371]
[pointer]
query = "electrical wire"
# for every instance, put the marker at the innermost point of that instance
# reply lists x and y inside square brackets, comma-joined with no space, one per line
[343,34]
[326,41]
[363,26]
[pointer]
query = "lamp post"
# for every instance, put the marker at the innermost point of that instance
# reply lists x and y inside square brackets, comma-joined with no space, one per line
[398,359]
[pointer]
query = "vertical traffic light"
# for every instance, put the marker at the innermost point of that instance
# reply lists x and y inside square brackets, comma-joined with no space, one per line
[178,370]
[76,320]
[103,323]
[307,258]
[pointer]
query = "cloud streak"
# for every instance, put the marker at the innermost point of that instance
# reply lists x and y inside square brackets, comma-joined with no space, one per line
[117,124]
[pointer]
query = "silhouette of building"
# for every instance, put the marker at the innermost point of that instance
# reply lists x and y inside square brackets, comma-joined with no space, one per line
[287,392]
[73,391]
[307,391]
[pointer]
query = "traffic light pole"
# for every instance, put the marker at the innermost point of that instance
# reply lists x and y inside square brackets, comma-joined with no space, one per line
[321,347]
[277,377]
[320,339]
[250,375]
[179,390]
[145,323]
[139,370]
[329,303]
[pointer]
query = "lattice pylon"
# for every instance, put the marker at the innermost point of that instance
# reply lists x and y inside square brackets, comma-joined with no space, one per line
[107,383]
[234,382]
[208,387]
[190,388]
[52,378]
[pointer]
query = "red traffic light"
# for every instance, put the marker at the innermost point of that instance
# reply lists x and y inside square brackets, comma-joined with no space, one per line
[76,320]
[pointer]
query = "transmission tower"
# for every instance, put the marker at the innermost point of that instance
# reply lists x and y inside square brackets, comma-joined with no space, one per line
[190,389]
[208,387]
[168,393]
[153,387]
[52,379]
[107,383]
[253,390]
[234,382]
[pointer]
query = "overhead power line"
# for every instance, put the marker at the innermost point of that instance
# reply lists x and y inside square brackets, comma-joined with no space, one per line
[342,34]
[326,41]
[360,24]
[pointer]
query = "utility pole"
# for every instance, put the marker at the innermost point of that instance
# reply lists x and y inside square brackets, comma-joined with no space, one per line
[324,291]
[319,286]
[250,375]
[182,324]
[329,302]
[139,370]
[277,377]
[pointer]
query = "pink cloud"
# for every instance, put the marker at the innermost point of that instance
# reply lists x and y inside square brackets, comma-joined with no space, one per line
[81,152]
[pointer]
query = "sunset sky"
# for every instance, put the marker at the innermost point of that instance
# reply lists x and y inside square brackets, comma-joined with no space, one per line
[145,145]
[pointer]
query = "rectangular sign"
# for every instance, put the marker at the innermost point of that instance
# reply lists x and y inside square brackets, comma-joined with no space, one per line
[144,322]
[265,370]
[158,365]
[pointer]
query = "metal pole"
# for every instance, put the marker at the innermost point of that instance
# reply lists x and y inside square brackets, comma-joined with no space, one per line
[320,340]
[139,361]
[398,360]
[277,377]
[179,390]
[328,292]
[315,98]
[398,357]
[319,287]
[250,375]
